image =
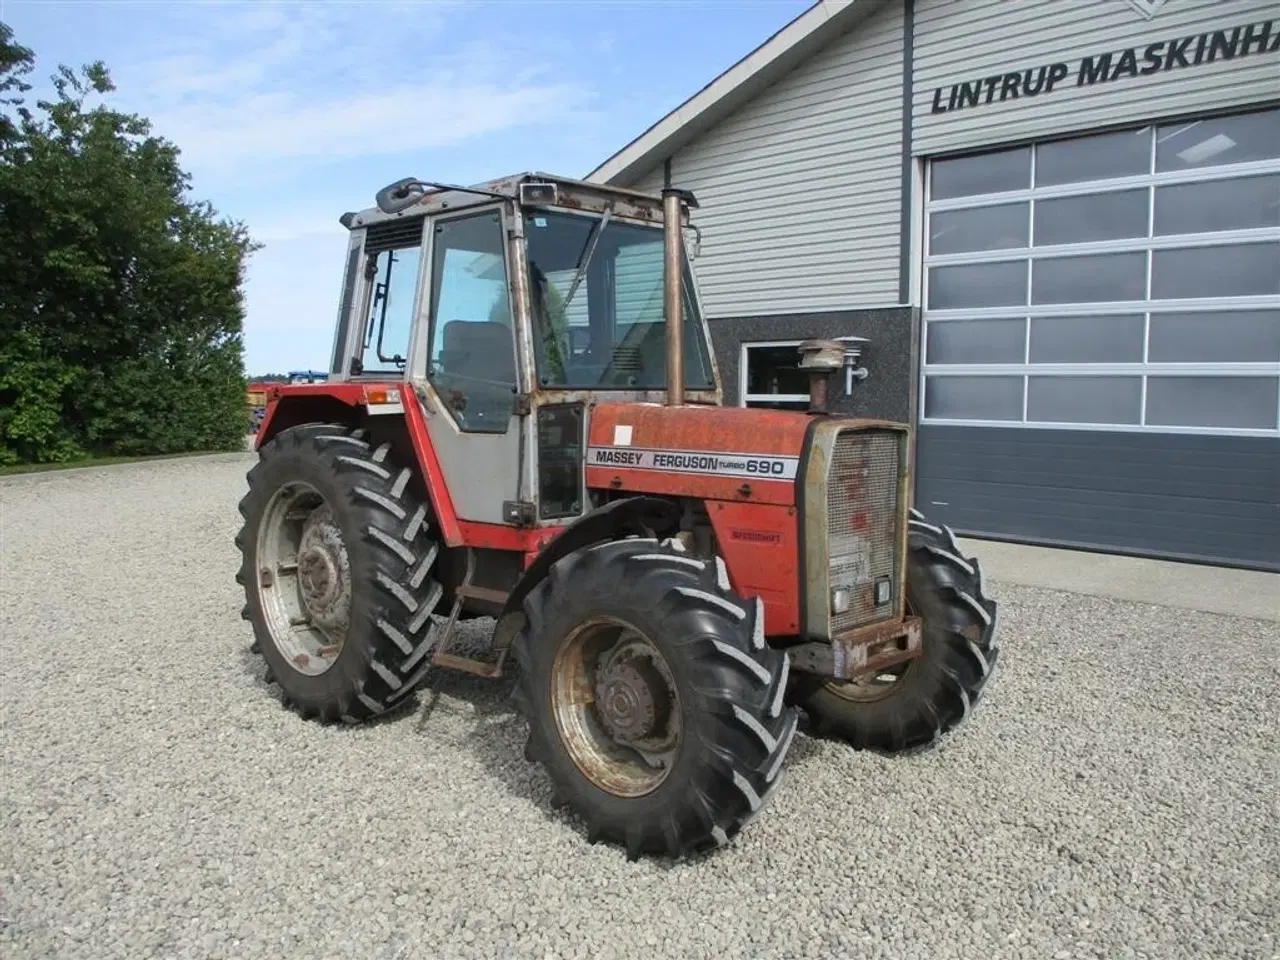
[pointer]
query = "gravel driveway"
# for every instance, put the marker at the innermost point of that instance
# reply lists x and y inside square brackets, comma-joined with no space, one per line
[1114,796]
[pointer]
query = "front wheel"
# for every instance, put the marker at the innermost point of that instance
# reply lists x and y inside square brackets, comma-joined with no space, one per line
[653,701]
[912,705]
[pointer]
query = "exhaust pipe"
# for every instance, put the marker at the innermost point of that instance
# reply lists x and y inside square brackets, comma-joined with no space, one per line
[820,358]
[673,287]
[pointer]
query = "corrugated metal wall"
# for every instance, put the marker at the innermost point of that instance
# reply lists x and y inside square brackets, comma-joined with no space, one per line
[800,189]
[639,284]
[639,287]
[963,41]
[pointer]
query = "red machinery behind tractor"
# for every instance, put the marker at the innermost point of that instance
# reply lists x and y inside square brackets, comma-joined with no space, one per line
[524,421]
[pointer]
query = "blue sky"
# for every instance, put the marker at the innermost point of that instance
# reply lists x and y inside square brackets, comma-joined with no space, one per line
[289,113]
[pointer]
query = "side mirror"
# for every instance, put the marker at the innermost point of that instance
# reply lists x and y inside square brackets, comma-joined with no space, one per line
[400,195]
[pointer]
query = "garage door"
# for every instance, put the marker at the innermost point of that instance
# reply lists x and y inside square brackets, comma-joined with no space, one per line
[1102,341]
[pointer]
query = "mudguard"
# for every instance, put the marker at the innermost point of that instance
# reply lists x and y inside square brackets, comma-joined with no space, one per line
[639,515]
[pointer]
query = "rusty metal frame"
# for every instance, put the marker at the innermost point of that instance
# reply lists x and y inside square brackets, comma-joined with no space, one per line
[540,395]
[866,650]
[573,194]
[906,493]
[589,397]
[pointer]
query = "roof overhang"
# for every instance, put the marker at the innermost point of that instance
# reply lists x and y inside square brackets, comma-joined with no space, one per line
[775,58]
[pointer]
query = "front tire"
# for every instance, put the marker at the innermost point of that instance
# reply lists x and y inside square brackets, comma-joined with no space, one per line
[653,701]
[912,706]
[336,563]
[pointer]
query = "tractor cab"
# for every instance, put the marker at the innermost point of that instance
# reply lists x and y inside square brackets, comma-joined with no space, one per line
[525,285]
[508,308]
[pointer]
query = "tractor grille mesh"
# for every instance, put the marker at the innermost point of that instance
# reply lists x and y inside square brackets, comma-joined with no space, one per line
[862,509]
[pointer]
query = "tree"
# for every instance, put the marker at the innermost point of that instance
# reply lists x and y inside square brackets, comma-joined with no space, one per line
[121,311]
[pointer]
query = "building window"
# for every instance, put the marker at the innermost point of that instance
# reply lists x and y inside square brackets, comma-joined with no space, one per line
[1126,281]
[770,375]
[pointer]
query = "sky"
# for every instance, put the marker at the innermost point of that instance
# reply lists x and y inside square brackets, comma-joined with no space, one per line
[290,112]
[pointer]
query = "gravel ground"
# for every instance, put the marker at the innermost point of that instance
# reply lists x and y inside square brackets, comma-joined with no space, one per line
[1111,797]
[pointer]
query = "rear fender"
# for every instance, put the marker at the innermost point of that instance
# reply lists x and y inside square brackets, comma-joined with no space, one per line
[290,411]
[639,516]
[349,405]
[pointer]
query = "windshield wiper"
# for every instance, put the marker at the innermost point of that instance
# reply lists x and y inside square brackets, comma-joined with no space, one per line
[597,229]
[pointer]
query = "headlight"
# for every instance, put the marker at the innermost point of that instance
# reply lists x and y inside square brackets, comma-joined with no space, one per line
[840,600]
[884,591]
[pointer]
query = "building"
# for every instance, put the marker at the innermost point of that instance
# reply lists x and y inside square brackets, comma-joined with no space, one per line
[1058,225]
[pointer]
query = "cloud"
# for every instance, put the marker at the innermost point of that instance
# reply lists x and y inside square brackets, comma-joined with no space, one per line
[248,89]
[278,126]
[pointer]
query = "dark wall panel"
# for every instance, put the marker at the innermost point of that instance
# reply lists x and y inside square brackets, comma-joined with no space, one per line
[890,356]
[1200,498]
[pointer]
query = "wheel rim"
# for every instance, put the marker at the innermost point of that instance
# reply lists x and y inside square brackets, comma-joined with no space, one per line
[617,707]
[874,686]
[304,578]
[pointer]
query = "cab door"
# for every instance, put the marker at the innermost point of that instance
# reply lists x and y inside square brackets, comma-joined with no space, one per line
[471,367]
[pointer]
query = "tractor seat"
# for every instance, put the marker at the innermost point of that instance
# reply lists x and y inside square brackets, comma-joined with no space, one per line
[480,349]
[477,361]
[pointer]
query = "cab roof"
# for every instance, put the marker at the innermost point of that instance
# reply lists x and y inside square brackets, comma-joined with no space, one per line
[572,194]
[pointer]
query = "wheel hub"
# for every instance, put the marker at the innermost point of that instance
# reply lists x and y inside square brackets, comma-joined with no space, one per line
[317,578]
[323,579]
[625,702]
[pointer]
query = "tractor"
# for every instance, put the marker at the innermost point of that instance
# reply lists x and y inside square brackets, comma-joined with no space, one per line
[524,421]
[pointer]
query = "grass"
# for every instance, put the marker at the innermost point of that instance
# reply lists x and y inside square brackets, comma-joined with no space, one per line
[15,469]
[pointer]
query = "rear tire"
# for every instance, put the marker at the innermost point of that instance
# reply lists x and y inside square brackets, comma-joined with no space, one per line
[931,695]
[690,663]
[335,544]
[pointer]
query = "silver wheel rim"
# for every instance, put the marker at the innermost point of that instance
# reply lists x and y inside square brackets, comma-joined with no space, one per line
[304,578]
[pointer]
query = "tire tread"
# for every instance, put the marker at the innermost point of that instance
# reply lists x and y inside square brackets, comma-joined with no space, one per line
[392,587]
[743,740]
[963,639]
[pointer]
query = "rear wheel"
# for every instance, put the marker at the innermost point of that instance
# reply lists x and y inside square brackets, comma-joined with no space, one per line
[653,702]
[912,705]
[336,563]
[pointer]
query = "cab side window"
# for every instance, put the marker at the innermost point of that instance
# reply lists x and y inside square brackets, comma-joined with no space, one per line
[393,256]
[473,355]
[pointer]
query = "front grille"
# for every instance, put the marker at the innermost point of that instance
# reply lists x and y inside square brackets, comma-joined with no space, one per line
[862,512]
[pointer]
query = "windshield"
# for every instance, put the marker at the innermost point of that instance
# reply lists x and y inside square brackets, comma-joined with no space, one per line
[607,330]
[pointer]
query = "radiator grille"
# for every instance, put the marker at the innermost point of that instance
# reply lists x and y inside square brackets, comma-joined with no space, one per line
[862,509]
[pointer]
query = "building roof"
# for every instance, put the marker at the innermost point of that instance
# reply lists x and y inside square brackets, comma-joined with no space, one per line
[760,68]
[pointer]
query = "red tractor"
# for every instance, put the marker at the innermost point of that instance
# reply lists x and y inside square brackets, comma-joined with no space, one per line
[524,421]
